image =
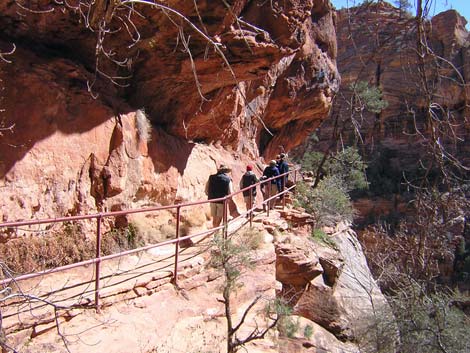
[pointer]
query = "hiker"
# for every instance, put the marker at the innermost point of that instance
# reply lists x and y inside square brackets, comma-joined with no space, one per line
[283,168]
[248,179]
[270,190]
[220,185]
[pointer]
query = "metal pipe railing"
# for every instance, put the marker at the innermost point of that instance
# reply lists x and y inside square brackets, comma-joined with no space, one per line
[225,219]
[102,215]
[98,262]
[175,273]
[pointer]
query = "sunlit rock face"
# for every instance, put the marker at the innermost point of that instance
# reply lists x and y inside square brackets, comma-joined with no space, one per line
[332,289]
[423,119]
[253,81]
[377,44]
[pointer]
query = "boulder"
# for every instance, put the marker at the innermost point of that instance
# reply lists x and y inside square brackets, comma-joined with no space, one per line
[295,266]
[345,300]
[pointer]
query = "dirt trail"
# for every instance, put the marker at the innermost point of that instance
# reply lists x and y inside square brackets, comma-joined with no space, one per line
[141,309]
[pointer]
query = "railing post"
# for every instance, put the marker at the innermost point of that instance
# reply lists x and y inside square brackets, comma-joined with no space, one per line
[269,197]
[177,244]
[225,219]
[98,262]
[295,180]
[251,205]
[284,193]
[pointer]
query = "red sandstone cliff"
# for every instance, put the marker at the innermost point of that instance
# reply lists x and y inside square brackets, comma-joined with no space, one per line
[77,142]
[424,119]
[377,44]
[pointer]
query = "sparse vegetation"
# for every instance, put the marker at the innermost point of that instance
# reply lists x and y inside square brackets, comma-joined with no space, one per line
[346,164]
[368,97]
[24,255]
[288,326]
[431,322]
[156,227]
[233,257]
[119,239]
[308,331]
[403,5]
[423,321]
[327,202]
[252,237]
[321,237]
[70,245]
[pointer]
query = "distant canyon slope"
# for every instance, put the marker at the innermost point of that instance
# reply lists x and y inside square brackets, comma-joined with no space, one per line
[80,143]
[376,44]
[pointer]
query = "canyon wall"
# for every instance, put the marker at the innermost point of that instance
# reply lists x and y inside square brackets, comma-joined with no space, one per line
[218,85]
[422,132]
[377,45]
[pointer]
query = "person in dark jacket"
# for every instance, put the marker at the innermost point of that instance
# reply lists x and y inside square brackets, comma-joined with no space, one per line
[270,190]
[283,168]
[248,179]
[219,185]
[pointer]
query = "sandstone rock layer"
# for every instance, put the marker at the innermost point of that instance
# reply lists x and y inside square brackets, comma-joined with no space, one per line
[84,75]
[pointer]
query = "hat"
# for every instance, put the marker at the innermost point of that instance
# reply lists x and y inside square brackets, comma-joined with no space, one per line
[273,163]
[249,167]
[224,169]
[282,155]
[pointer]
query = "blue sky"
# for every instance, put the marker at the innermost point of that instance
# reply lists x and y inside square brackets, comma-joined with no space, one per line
[462,6]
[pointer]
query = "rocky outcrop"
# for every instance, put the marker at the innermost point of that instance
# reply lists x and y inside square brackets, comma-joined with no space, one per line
[244,85]
[335,289]
[296,266]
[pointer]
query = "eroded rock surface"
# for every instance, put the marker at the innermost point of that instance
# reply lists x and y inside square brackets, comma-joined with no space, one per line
[76,143]
[341,297]
[377,45]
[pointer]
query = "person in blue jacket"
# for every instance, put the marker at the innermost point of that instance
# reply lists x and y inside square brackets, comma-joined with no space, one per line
[283,168]
[271,171]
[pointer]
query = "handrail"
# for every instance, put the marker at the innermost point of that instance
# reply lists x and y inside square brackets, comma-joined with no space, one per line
[101,215]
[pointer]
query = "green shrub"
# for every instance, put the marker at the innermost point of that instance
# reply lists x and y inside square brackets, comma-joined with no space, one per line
[368,97]
[308,331]
[321,237]
[327,202]
[340,173]
[119,239]
[311,160]
[346,165]
[288,327]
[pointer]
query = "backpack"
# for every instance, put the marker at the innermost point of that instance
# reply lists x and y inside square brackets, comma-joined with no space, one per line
[218,186]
